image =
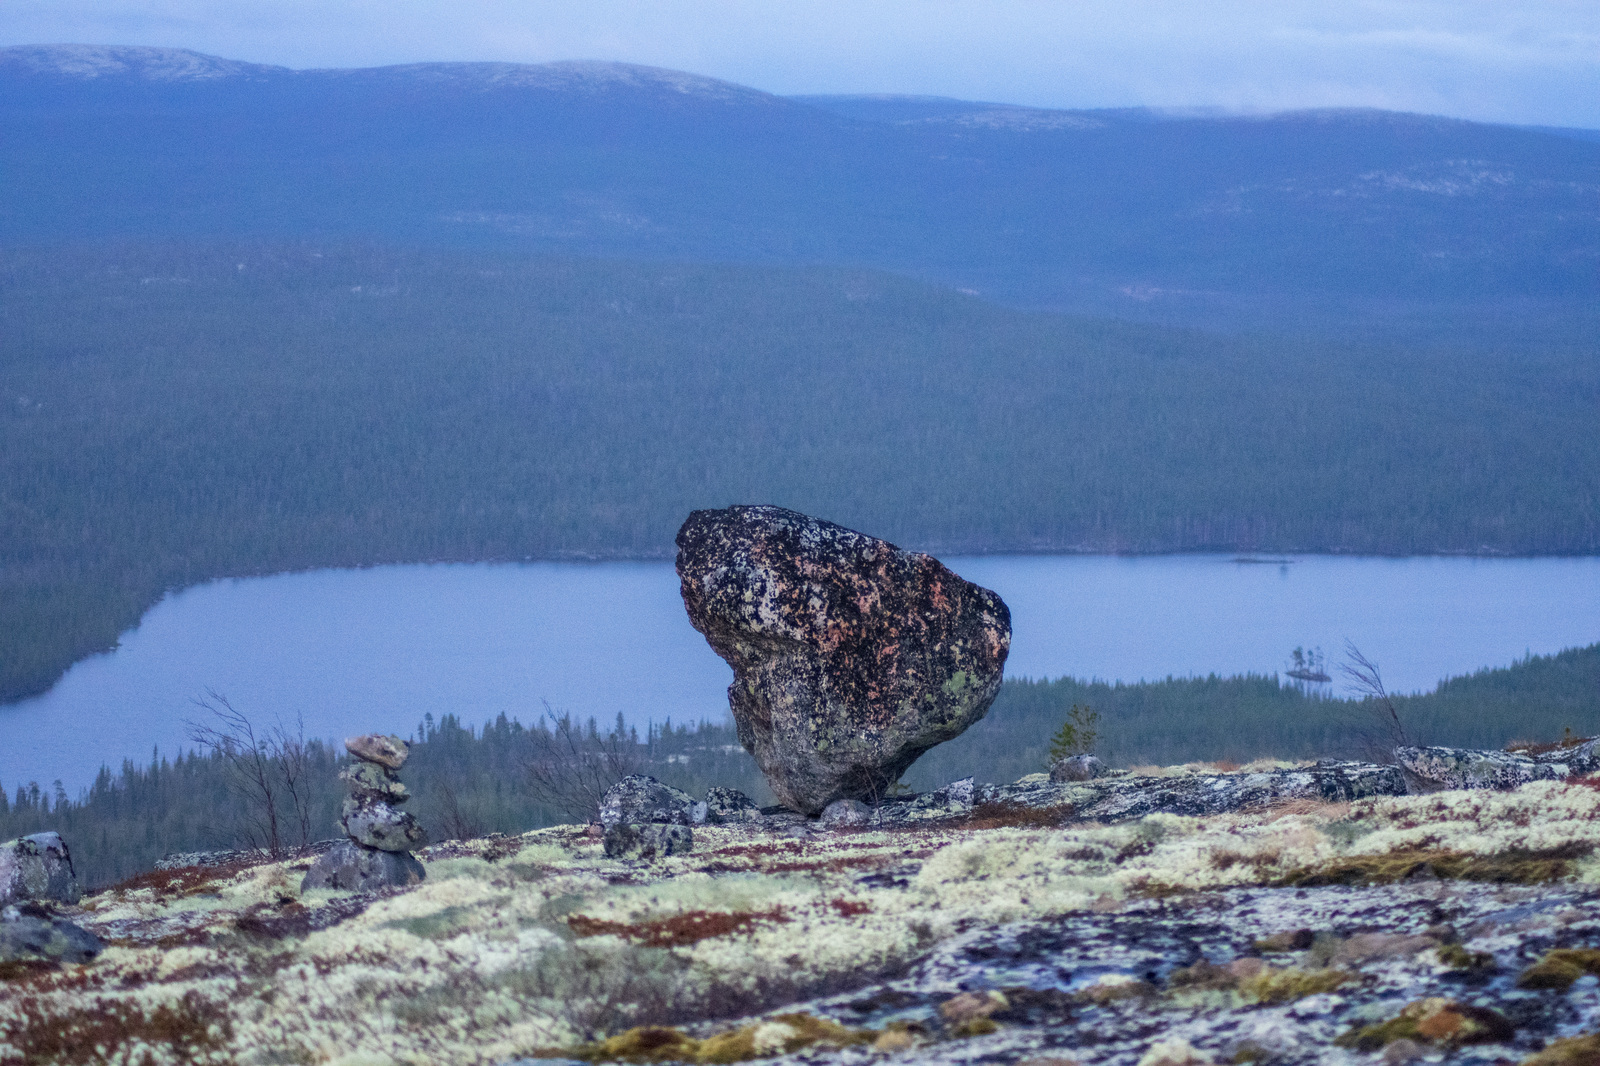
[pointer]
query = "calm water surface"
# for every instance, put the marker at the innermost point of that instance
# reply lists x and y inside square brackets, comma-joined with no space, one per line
[362,650]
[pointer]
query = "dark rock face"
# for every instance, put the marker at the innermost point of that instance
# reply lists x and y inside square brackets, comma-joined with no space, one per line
[640,799]
[851,657]
[653,840]
[28,931]
[350,867]
[37,867]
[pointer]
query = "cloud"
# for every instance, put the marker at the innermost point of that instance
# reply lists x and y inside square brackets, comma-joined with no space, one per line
[1534,62]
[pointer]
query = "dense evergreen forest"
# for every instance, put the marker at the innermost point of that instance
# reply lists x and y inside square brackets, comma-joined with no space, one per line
[468,781]
[171,413]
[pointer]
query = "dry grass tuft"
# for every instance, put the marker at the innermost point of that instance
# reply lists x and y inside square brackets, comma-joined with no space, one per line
[1516,867]
[680,930]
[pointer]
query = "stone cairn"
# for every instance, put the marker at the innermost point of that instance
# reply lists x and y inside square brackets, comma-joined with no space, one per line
[382,836]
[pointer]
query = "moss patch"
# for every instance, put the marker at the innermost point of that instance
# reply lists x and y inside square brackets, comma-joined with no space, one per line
[781,1035]
[1440,1022]
[1573,1051]
[1559,968]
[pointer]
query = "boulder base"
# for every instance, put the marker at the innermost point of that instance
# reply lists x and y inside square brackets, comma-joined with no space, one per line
[851,657]
[351,867]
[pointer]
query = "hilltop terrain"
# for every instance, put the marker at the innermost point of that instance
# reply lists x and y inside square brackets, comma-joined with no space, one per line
[1310,931]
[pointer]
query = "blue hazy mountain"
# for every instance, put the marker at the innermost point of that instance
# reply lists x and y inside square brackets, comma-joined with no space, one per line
[1400,223]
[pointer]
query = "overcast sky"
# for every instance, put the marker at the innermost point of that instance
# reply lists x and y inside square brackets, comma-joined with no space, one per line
[1533,61]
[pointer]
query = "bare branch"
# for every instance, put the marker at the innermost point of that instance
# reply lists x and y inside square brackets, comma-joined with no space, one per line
[1362,678]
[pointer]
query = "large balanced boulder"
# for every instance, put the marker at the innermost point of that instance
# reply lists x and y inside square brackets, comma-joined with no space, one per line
[37,867]
[850,656]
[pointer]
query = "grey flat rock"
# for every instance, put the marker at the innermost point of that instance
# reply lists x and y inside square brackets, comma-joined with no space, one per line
[349,866]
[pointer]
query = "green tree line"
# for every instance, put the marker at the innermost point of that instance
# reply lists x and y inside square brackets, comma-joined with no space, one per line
[469,781]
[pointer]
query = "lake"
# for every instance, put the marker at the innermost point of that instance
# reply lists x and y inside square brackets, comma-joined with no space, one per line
[376,649]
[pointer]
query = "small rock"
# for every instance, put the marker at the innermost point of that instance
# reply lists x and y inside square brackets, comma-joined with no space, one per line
[845,813]
[851,657]
[652,840]
[28,931]
[730,805]
[1175,1052]
[969,1006]
[1363,946]
[639,799]
[1289,940]
[389,751]
[375,824]
[1077,768]
[37,867]
[370,780]
[351,867]
[1403,1051]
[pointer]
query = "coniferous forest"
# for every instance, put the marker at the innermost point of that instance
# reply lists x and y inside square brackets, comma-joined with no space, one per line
[171,413]
[507,776]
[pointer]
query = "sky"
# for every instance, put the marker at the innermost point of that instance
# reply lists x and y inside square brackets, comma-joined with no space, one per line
[1534,61]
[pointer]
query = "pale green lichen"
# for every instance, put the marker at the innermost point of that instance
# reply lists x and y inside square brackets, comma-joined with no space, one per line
[481,962]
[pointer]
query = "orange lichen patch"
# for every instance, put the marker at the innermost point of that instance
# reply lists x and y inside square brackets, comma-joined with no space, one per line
[191,1030]
[1013,816]
[1435,1021]
[183,881]
[680,930]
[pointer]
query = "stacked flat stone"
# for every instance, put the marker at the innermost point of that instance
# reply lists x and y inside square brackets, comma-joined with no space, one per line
[382,836]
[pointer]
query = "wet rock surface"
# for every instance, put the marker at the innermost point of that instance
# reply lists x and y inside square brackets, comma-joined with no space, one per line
[37,867]
[851,657]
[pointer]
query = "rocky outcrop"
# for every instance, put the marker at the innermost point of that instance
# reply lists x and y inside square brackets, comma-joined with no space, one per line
[37,867]
[851,657]
[377,855]
[1432,769]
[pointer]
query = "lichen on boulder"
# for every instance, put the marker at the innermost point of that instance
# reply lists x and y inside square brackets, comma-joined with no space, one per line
[851,656]
[37,867]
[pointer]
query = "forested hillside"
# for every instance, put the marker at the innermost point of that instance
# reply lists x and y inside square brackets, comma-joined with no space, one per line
[170,414]
[469,781]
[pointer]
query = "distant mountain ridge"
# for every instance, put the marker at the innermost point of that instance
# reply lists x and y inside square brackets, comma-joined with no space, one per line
[1410,225]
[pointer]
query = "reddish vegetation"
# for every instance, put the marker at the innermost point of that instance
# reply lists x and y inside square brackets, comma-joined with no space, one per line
[184,881]
[849,908]
[678,931]
[1013,816]
[189,1030]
